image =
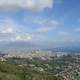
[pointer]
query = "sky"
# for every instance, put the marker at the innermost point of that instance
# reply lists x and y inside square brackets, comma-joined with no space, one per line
[45,23]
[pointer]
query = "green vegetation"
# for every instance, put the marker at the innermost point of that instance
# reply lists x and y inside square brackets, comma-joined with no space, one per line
[17,72]
[56,68]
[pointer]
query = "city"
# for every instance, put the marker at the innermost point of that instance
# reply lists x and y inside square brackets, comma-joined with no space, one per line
[39,39]
[57,65]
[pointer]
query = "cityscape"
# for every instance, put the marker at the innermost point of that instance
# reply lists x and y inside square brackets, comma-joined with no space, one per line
[53,65]
[39,39]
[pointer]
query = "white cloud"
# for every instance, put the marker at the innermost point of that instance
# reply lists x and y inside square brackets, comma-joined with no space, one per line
[24,37]
[10,31]
[26,4]
[63,33]
[44,29]
[67,36]
[7,26]
[47,25]
[51,23]
[47,21]
[7,30]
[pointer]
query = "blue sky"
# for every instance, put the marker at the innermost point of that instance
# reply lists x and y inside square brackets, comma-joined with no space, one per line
[48,23]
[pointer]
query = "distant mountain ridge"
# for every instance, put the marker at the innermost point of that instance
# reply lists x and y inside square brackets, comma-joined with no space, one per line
[21,45]
[66,49]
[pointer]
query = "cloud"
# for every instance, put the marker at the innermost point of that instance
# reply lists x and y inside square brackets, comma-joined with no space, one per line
[7,26]
[7,30]
[44,29]
[47,25]
[33,5]
[6,37]
[10,31]
[24,37]
[67,36]
[63,33]
[13,31]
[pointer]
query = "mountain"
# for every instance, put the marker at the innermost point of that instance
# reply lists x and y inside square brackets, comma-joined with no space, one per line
[74,49]
[29,45]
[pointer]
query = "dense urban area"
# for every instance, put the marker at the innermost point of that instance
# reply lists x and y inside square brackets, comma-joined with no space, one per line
[40,65]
